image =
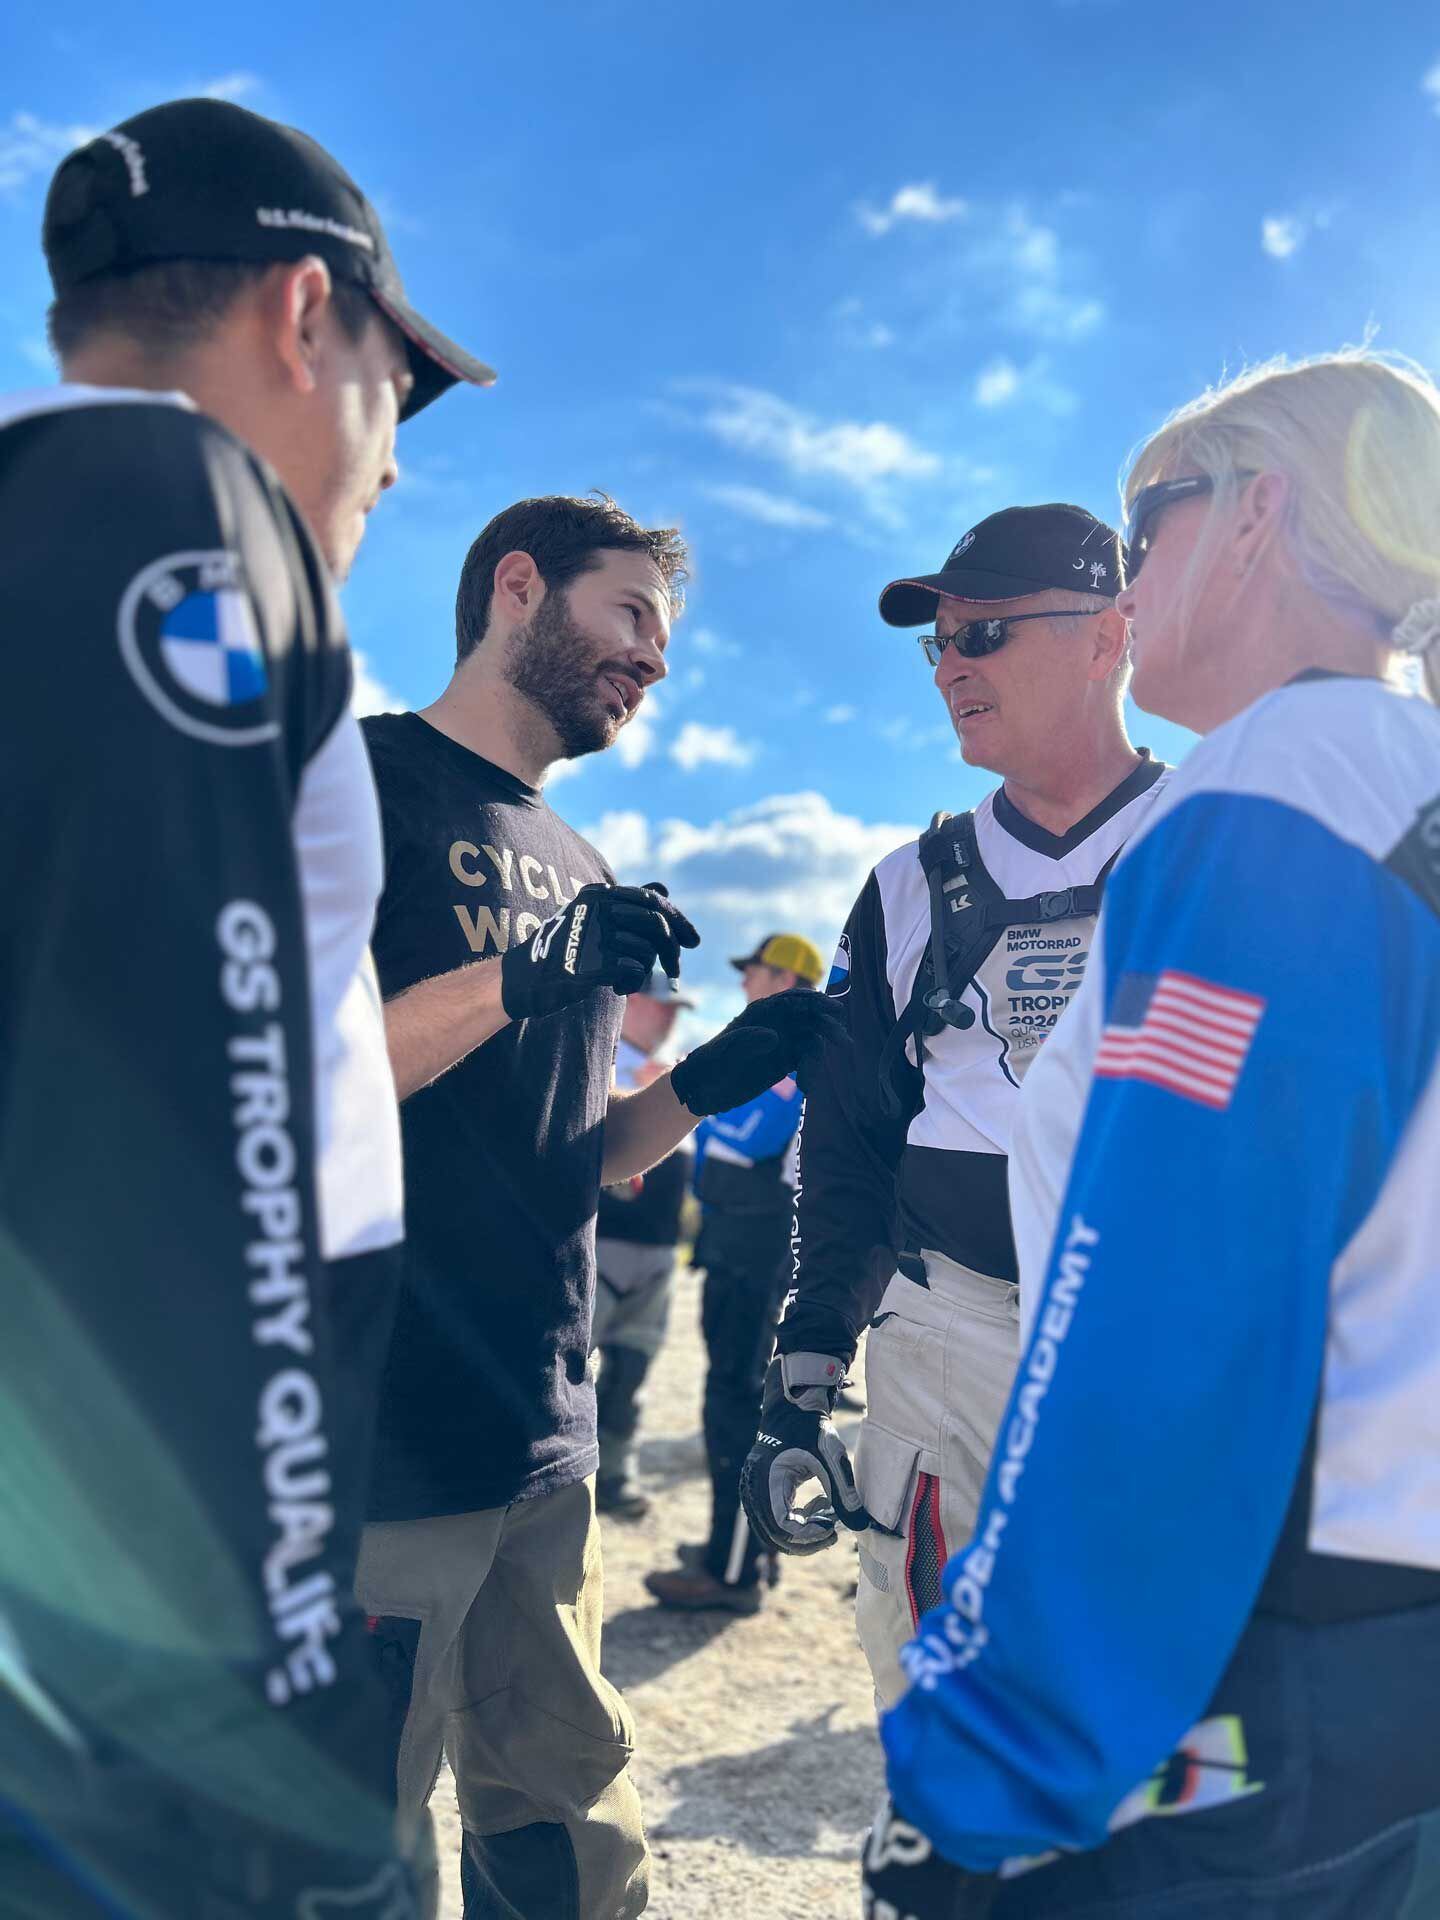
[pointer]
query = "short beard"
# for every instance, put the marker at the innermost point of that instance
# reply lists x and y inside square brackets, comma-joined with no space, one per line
[549,661]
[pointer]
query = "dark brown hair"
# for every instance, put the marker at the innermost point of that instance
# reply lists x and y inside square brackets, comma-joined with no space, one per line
[565,537]
[173,306]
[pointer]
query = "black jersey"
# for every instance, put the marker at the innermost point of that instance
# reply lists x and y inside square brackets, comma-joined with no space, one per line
[199,1172]
[933,1175]
[488,1396]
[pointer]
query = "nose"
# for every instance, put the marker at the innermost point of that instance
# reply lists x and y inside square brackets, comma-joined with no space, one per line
[953,666]
[1125,603]
[647,662]
[390,475]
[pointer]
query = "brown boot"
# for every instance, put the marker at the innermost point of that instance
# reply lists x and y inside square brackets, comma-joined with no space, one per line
[696,1590]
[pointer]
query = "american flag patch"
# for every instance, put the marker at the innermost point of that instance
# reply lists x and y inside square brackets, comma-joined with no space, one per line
[1179,1032]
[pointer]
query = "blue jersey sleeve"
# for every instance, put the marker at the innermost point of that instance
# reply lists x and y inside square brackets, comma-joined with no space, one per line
[763,1127]
[1268,1030]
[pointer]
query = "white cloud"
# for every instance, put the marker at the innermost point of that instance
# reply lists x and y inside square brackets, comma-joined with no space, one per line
[858,331]
[370,694]
[230,86]
[697,745]
[1431,85]
[921,202]
[706,640]
[789,860]
[31,146]
[996,384]
[1001,384]
[1282,234]
[637,738]
[773,509]
[839,716]
[854,452]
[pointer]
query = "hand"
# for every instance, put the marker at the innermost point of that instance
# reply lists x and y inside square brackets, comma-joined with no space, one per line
[606,937]
[902,1873]
[796,1443]
[772,1037]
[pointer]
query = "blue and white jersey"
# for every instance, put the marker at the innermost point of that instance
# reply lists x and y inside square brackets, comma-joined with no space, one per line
[758,1130]
[1225,1195]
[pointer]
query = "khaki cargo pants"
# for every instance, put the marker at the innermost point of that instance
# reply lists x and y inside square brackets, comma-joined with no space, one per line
[493,1620]
[939,1362]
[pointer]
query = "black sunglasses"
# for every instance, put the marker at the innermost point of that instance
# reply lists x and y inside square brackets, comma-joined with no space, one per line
[979,637]
[1146,510]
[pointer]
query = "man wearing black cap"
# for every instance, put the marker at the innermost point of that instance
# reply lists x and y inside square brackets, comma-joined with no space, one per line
[199,1159]
[959,956]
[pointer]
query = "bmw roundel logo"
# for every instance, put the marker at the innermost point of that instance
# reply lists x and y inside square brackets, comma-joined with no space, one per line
[189,638]
[838,985]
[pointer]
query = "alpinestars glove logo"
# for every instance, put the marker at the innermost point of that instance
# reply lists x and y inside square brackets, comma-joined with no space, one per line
[572,944]
[540,945]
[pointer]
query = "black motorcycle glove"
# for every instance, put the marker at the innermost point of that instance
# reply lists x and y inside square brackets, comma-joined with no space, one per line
[901,1873]
[796,1443]
[606,937]
[771,1038]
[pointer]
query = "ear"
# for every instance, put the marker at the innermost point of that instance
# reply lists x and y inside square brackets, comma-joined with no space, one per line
[298,298]
[518,588]
[1107,647]
[1262,511]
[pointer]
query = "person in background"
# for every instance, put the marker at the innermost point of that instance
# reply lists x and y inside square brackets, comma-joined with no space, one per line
[1189,1664]
[637,1230]
[200,1181]
[745,1182]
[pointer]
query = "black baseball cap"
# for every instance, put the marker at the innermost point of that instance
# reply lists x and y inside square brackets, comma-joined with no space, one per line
[1017,551]
[207,180]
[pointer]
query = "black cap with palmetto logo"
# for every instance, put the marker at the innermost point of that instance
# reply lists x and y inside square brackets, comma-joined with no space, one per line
[1017,551]
[207,180]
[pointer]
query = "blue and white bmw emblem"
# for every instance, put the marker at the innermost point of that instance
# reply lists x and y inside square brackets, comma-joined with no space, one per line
[838,985]
[188,635]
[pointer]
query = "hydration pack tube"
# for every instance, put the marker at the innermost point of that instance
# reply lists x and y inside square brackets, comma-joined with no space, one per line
[968,914]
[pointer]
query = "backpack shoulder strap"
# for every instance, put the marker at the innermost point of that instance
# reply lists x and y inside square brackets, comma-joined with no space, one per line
[957,882]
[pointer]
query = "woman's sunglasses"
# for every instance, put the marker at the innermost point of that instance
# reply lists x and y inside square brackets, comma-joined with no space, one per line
[979,637]
[1146,510]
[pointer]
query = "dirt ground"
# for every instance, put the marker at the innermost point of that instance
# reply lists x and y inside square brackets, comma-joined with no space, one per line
[758,1762]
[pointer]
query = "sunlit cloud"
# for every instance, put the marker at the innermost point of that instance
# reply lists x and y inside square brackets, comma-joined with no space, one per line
[1431,85]
[855,452]
[1282,234]
[369,693]
[921,202]
[697,745]
[997,383]
[771,509]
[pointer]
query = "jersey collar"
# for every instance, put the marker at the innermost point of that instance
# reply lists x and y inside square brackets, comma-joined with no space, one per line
[1056,845]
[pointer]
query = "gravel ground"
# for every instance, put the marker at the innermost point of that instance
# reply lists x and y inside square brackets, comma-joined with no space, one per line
[758,1762]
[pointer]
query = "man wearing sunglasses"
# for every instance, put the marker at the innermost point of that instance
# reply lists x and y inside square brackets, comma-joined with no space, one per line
[903,1149]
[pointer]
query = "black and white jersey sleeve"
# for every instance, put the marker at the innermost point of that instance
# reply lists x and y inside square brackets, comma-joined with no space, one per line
[849,1155]
[199,1176]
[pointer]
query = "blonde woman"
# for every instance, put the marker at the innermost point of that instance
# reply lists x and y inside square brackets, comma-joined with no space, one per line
[1190,1661]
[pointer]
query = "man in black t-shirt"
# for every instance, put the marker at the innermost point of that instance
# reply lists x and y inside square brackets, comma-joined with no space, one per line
[200,1200]
[504,947]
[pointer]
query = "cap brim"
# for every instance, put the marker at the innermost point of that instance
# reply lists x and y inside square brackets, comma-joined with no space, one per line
[436,363]
[910,603]
[750,960]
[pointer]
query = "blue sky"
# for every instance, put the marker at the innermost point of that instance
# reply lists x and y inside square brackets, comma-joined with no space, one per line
[825,284]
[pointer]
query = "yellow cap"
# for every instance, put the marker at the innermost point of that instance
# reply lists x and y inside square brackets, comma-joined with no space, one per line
[791,953]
